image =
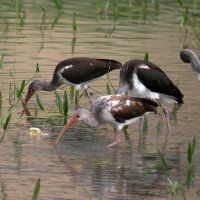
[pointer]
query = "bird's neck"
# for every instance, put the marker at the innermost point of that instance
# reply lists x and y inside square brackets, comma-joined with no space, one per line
[50,86]
[91,121]
[195,62]
[123,88]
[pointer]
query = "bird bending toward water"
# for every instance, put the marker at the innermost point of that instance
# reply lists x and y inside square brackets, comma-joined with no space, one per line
[146,80]
[76,72]
[116,110]
[188,56]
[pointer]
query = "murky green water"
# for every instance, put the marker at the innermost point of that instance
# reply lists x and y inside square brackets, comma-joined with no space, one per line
[81,166]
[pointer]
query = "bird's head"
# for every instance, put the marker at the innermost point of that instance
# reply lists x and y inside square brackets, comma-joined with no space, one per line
[185,55]
[33,87]
[80,114]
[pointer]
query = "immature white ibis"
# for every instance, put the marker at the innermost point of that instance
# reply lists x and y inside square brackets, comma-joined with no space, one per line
[116,110]
[76,71]
[188,56]
[146,80]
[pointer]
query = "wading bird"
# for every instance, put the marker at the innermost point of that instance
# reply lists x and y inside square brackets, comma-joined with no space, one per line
[146,80]
[77,72]
[188,56]
[116,110]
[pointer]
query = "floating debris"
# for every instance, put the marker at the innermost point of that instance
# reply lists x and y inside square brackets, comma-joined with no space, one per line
[36,132]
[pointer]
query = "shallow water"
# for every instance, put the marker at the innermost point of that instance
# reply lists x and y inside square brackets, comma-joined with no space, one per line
[81,166]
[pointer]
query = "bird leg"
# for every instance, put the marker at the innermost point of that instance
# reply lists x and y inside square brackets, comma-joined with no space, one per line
[117,138]
[88,94]
[166,116]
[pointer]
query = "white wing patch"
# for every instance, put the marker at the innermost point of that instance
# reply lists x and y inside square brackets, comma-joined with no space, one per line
[143,66]
[68,67]
[115,102]
[128,103]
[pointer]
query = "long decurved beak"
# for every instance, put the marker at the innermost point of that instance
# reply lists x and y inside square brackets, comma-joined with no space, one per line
[70,123]
[28,96]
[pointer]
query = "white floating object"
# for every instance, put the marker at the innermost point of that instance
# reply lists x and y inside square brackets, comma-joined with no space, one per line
[36,132]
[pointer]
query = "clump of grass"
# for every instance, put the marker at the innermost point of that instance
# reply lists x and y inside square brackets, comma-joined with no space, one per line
[36,190]
[62,107]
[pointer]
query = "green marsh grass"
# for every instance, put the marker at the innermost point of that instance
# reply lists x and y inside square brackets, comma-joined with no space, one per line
[62,106]
[72,93]
[19,16]
[1,61]
[191,148]
[36,190]
[58,4]
[40,104]
[37,68]
[20,91]
[1,102]
[174,187]
[65,104]
[108,90]
[146,56]
[74,24]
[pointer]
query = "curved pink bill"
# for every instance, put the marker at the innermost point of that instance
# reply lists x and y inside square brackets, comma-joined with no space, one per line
[28,96]
[70,123]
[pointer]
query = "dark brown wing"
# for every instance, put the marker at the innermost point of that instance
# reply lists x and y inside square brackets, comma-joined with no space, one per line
[126,108]
[83,69]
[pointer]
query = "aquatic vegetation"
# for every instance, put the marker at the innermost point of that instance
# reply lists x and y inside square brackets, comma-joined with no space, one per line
[189,19]
[36,190]
[20,91]
[174,186]
[108,88]
[19,16]
[58,4]
[146,56]
[74,25]
[37,68]
[40,104]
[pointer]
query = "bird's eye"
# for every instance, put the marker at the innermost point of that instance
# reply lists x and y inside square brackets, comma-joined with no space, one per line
[77,116]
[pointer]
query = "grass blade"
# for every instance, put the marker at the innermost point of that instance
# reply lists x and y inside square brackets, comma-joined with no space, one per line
[40,103]
[65,104]
[37,68]
[19,92]
[108,89]
[164,163]
[0,103]
[58,102]
[36,190]
[191,148]
[146,56]
[71,93]
[74,26]
[58,4]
